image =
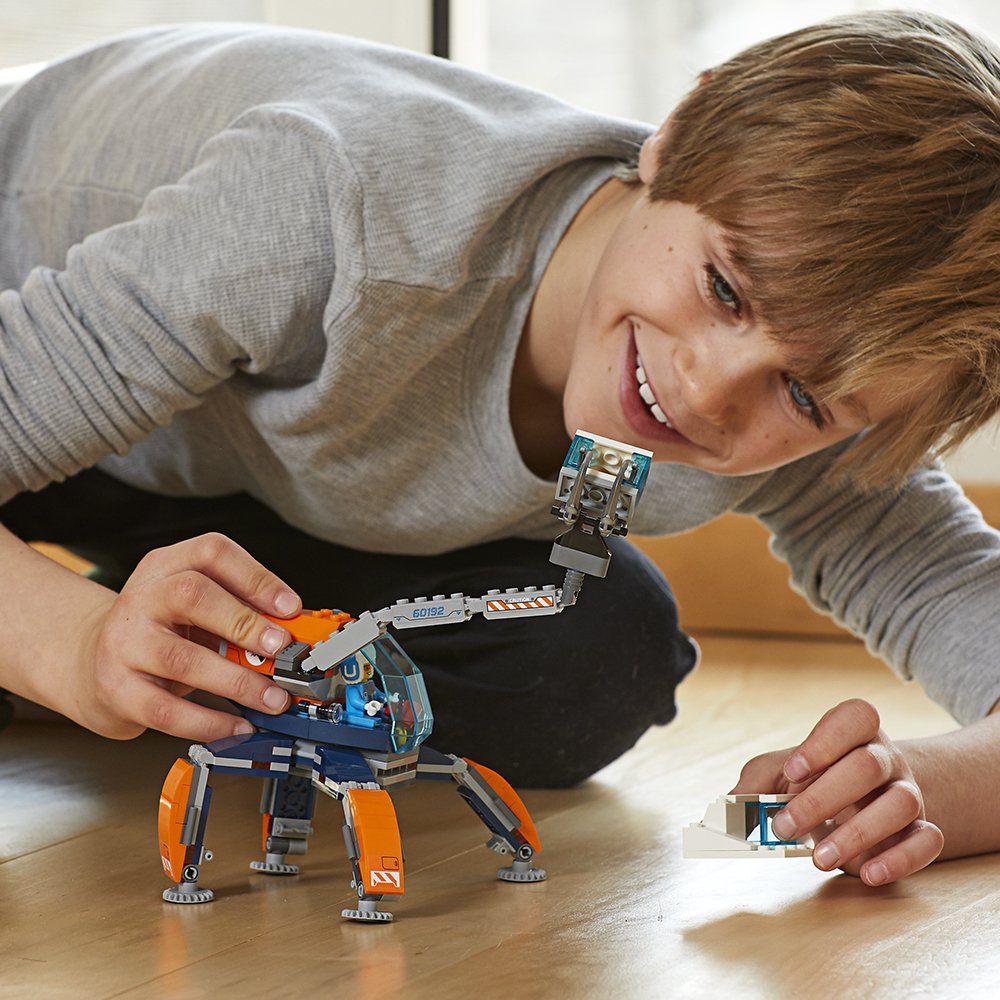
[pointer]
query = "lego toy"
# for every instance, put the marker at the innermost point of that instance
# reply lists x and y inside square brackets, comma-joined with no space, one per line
[360,713]
[739,826]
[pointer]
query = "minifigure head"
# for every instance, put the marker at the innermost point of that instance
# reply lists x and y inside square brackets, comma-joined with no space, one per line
[355,669]
[853,171]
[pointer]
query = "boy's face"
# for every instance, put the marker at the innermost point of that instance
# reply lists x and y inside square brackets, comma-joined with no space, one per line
[666,307]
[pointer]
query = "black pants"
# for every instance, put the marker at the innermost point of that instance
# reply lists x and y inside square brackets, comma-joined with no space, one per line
[544,701]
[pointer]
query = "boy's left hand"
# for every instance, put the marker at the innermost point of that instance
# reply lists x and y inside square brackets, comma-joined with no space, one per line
[856,794]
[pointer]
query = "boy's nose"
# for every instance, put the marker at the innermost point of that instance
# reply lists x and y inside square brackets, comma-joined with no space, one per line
[715,384]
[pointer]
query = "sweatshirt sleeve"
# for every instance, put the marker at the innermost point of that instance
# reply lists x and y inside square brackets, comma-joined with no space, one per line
[210,277]
[915,572]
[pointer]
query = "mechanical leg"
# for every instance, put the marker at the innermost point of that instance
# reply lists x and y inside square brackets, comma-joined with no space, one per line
[287,806]
[184,803]
[186,797]
[371,836]
[497,804]
[371,833]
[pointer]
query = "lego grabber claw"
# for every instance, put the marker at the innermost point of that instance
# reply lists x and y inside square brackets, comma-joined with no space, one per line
[599,486]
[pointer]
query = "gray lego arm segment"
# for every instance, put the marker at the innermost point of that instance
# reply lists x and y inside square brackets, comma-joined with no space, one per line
[424,611]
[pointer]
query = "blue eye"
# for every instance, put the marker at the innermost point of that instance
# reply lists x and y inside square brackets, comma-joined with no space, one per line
[722,290]
[799,395]
[804,402]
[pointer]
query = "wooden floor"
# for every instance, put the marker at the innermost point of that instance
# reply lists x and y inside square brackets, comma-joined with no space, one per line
[621,916]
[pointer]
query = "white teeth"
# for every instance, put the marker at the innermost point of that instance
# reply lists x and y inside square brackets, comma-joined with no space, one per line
[646,392]
[659,414]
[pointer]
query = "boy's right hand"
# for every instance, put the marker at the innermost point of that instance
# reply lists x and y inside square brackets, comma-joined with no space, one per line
[855,791]
[156,641]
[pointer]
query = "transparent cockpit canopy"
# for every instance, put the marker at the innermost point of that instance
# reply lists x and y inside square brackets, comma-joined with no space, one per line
[400,678]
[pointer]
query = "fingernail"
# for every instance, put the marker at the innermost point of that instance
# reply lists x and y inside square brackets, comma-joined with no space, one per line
[796,768]
[242,728]
[273,639]
[275,698]
[876,873]
[826,855]
[286,603]
[783,826]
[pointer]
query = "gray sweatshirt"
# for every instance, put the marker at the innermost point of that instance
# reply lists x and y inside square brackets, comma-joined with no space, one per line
[239,258]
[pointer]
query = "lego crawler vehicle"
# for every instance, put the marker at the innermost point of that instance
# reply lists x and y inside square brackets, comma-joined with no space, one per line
[320,744]
[360,713]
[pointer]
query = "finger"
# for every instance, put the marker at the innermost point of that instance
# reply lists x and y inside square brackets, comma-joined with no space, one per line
[854,776]
[231,566]
[193,599]
[850,724]
[889,813]
[194,667]
[169,714]
[141,702]
[762,774]
[920,843]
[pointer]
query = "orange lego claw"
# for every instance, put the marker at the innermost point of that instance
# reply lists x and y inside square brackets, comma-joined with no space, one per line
[512,800]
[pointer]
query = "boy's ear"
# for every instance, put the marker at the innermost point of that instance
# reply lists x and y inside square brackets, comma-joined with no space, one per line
[649,154]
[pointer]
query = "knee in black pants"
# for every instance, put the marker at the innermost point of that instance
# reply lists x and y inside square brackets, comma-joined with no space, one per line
[549,701]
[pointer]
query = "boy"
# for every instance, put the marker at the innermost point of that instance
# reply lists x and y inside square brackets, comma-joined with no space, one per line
[345,304]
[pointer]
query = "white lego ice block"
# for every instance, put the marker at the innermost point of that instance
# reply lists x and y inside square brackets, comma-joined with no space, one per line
[738,826]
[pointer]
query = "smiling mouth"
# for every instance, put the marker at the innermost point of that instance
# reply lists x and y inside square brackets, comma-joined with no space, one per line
[646,393]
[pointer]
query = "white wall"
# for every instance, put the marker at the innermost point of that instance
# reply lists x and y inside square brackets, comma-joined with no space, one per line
[38,30]
[406,23]
[978,460]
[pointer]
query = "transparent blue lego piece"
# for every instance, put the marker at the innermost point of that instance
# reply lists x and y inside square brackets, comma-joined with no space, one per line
[410,716]
[641,459]
[759,818]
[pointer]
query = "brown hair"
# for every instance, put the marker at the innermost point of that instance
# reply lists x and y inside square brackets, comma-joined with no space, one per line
[854,167]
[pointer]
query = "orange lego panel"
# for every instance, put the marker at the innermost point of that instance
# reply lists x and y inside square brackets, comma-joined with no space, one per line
[173,807]
[309,627]
[512,800]
[313,626]
[263,665]
[377,833]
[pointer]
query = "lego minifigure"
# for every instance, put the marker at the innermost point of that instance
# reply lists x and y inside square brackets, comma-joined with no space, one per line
[363,702]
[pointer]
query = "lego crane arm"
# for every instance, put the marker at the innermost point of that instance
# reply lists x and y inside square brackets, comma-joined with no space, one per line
[599,486]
